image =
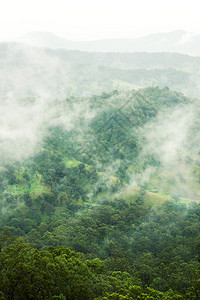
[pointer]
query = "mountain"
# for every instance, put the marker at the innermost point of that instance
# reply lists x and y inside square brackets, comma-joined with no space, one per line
[176,41]
[99,181]
[60,72]
[47,40]
[116,178]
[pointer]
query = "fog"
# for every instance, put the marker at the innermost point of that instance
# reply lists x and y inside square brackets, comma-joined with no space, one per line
[34,86]
[170,150]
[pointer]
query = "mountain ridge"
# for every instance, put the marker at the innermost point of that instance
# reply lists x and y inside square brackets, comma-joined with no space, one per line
[178,41]
[78,73]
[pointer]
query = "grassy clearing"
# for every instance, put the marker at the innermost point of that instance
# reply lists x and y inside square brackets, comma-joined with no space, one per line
[35,187]
[71,163]
[75,163]
[155,198]
[130,194]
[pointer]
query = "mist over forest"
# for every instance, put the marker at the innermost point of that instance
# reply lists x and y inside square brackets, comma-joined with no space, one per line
[100,169]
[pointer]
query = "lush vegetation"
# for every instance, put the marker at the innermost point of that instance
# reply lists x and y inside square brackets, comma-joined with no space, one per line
[81,221]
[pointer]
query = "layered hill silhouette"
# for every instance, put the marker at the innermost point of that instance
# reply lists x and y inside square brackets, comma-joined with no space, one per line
[61,72]
[176,41]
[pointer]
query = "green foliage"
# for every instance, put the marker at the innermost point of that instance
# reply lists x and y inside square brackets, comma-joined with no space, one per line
[73,195]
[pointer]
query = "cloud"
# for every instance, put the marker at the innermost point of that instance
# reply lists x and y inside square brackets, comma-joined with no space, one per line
[170,149]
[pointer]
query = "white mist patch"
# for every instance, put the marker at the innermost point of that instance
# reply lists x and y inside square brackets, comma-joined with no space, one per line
[23,124]
[26,71]
[166,136]
[19,128]
[169,150]
[186,38]
[31,82]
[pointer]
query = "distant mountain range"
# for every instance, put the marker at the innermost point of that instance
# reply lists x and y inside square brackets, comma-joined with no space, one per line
[176,41]
[61,72]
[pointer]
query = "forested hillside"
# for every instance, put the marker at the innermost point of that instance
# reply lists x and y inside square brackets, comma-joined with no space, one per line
[60,73]
[100,200]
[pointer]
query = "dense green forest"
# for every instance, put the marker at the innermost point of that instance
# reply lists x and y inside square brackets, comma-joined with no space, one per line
[107,204]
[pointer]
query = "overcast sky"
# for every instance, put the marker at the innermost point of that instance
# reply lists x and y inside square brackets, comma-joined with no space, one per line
[97,19]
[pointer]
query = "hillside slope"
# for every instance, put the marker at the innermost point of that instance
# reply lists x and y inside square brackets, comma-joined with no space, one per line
[60,73]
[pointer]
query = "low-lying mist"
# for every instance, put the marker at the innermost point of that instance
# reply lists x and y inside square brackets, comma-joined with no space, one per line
[36,86]
[25,122]
[170,150]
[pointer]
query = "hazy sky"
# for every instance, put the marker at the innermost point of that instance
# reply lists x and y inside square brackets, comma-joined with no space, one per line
[97,19]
